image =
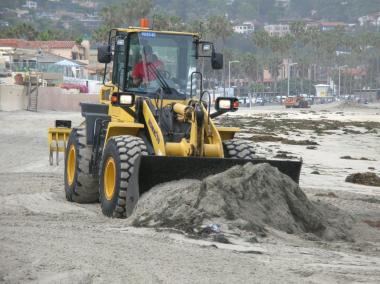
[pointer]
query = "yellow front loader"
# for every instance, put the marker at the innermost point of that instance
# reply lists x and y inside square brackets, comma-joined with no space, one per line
[153,123]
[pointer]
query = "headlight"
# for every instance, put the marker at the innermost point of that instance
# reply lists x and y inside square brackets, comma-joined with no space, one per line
[226,104]
[123,99]
[126,99]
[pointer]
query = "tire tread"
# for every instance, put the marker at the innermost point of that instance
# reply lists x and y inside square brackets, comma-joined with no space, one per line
[239,149]
[86,189]
[128,148]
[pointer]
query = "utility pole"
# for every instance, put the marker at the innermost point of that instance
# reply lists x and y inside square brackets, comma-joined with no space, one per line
[229,72]
[340,68]
[289,67]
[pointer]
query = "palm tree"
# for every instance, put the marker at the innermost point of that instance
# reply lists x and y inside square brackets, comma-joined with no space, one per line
[261,39]
[248,66]
[23,30]
[219,28]
[164,21]
[119,15]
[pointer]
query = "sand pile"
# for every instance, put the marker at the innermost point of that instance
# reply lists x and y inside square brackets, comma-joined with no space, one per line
[248,198]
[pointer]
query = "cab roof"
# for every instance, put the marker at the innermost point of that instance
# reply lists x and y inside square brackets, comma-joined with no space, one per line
[139,29]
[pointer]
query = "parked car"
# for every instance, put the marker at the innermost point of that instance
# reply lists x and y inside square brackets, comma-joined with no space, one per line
[5,73]
[260,101]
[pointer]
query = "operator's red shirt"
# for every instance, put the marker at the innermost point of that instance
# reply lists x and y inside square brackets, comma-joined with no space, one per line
[139,70]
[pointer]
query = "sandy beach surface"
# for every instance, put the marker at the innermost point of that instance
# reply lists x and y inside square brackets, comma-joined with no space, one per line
[45,239]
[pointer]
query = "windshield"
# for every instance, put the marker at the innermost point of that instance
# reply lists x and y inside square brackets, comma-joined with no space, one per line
[161,61]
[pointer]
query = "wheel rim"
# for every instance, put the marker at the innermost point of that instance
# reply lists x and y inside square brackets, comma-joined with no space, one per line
[71,161]
[109,178]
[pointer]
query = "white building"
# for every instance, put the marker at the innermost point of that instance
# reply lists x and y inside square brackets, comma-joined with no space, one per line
[245,28]
[277,30]
[372,19]
[322,90]
[30,5]
[282,3]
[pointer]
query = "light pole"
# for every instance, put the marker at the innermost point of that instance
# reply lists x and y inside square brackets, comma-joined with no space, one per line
[289,67]
[340,68]
[229,72]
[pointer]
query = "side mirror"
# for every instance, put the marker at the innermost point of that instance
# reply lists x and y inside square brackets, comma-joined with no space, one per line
[226,104]
[217,61]
[104,54]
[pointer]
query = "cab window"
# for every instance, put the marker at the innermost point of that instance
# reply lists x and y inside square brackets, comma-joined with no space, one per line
[118,73]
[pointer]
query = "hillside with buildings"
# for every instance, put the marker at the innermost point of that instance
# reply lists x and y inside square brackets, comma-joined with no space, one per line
[86,15]
[278,43]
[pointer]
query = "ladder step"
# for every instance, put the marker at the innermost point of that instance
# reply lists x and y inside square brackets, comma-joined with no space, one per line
[32,92]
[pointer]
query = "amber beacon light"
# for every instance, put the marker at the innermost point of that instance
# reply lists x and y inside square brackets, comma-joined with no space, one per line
[144,23]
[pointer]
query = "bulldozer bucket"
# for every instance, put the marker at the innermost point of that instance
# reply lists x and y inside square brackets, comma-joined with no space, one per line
[152,170]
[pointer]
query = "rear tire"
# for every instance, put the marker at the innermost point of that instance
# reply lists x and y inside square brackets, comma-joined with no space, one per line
[80,185]
[239,149]
[116,168]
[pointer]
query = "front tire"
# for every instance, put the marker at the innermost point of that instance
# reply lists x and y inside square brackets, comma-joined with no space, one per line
[239,149]
[80,185]
[116,168]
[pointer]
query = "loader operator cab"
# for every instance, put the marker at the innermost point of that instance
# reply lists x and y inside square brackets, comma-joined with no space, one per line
[145,62]
[158,61]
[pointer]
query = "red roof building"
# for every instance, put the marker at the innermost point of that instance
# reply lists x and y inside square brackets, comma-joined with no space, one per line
[35,44]
[67,49]
[329,26]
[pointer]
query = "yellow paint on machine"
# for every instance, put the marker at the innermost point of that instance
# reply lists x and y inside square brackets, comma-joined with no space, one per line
[110,178]
[227,133]
[123,128]
[154,131]
[71,165]
[57,140]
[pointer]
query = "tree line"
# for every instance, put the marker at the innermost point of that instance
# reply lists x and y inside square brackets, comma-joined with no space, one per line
[318,54]
[29,31]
